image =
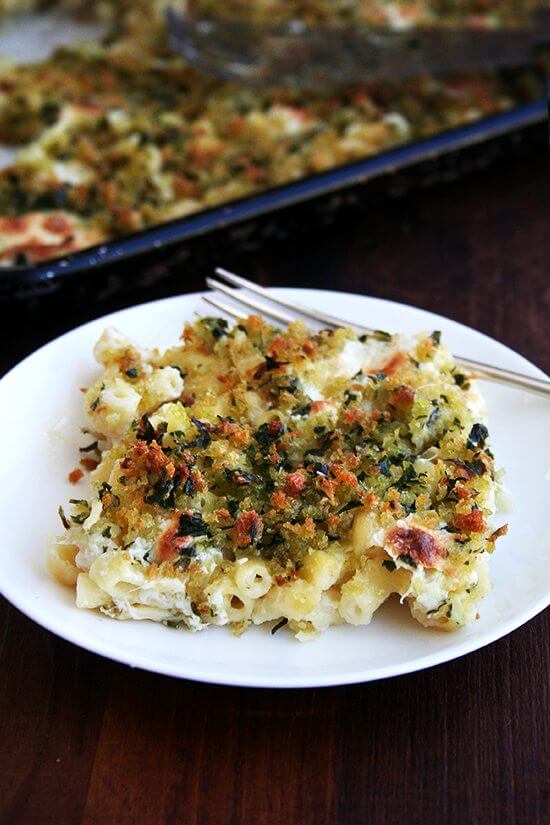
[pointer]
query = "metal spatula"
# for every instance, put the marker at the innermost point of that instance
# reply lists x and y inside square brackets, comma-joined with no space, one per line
[298,55]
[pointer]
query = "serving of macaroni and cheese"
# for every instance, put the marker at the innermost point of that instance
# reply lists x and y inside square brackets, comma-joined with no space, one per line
[252,475]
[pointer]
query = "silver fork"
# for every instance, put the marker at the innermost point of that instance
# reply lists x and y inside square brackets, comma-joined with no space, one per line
[307,56]
[276,306]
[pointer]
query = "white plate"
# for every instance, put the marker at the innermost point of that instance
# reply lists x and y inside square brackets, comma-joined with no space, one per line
[40,416]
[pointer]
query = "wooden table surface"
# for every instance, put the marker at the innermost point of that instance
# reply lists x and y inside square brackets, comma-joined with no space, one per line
[83,739]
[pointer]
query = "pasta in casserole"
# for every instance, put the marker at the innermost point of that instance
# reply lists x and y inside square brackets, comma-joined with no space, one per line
[117,136]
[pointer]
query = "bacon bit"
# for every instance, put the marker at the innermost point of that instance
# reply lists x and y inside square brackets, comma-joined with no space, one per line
[327,486]
[370,499]
[13,225]
[75,475]
[143,456]
[501,531]
[462,492]
[255,323]
[472,522]
[395,363]
[238,434]
[402,397]
[343,476]
[223,513]
[255,173]
[185,188]
[201,153]
[188,333]
[422,547]
[278,499]
[294,483]
[353,461]
[87,151]
[305,530]
[350,416]
[198,480]
[248,528]
[463,472]
[280,580]
[187,400]
[333,521]
[57,224]
[308,348]
[275,428]
[236,126]
[169,544]
[126,217]
[317,406]
[109,192]
[89,463]
[281,348]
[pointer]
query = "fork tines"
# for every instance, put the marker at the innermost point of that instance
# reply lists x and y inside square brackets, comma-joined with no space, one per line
[275,306]
[330,321]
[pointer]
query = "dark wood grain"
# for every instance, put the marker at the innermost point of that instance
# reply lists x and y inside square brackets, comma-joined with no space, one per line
[86,740]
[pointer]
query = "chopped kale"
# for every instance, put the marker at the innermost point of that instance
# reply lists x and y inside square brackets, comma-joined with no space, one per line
[477,467]
[64,520]
[268,365]
[267,433]
[233,506]
[291,386]
[461,381]
[89,448]
[389,565]
[163,494]
[351,505]
[302,410]
[380,335]
[216,326]
[145,430]
[204,438]
[192,525]
[407,559]
[240,477]
[408,477]
[477,437]
[278,626]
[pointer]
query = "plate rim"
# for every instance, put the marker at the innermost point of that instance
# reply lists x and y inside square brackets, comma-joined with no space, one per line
[201,674]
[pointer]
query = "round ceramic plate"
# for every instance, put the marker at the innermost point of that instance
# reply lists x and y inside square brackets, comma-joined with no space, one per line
[40,417]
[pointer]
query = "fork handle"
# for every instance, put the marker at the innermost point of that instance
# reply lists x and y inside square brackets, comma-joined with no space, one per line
[478,369]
